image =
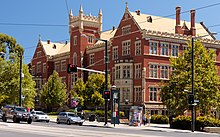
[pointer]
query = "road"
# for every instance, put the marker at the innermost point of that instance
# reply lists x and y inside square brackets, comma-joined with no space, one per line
[42,129]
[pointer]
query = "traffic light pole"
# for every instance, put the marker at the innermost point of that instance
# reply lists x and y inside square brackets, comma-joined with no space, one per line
[106,80]
[193,112]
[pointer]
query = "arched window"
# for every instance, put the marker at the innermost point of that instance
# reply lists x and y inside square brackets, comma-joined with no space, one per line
[75,58]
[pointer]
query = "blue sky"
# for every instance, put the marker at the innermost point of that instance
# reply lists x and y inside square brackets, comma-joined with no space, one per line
[54,12]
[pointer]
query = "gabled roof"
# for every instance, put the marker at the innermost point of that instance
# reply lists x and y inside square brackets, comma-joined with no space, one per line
[106,35]
[163,24]
[55,48]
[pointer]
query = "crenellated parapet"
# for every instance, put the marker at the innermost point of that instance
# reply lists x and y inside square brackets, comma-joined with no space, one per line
[82,20]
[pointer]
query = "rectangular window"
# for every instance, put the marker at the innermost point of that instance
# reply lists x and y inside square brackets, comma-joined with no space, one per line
[126,30]
[126,48]
[38,84]
[164,72]
[115,53]
[153,94]
[63,65]
[44,68]
[138,48]
[63,79]
[174,50]
[57,66]
[153,71]
[126,93]
[138,71]
[153,48]
[33,70]
[74,77]
[75,40]
[138,95]
[126,71]
[118,70]
[90,39]
[92,56]
[38,67]
[164,49]
[113,74]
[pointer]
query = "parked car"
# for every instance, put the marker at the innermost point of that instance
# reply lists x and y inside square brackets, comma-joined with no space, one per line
[16,113]
[69,118]
[40,116]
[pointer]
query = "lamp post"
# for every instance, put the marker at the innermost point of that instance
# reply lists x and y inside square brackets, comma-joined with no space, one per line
[192,56]
[106,73]
[21,74]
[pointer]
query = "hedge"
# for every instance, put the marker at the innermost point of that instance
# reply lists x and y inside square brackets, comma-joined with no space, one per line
[184,122]
[159,119]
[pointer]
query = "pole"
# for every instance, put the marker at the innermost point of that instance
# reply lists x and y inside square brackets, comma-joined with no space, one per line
[114,112]
[193,116]
[106,80]
[20,72]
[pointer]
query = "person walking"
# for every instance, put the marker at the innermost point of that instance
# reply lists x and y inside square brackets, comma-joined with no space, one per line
[148,119]
[144,119]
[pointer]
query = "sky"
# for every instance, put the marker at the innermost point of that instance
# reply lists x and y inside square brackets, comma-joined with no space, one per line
[49,18]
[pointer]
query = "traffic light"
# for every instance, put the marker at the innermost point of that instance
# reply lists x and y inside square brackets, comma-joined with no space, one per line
[190,99]
[107,94]
[71,68]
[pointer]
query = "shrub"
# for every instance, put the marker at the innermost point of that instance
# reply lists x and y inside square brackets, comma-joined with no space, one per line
[159,119]
[184,122]
[122,114]
[53,113]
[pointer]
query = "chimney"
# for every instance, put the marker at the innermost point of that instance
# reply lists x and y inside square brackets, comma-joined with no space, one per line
[177,27]
[48,41]
[113,28]
[192,16]
[138,12]
[66,42]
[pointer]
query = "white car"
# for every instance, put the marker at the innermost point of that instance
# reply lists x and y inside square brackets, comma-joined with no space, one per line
[40,116]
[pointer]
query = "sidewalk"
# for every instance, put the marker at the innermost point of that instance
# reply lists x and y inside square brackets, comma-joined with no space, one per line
[152,127]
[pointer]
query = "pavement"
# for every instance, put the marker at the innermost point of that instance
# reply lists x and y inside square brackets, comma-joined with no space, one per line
[152,127]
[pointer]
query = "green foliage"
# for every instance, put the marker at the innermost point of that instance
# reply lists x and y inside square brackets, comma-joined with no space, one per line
[9,75]
[184,122]
[90,92]
[159,119]
[121,114]
[97,99]
[53,113]
[206,81]
[53,93]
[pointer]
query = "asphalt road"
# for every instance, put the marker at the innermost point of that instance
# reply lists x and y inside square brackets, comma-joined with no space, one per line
[44,129]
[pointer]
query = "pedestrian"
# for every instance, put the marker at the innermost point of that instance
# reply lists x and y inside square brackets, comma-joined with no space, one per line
[82,114]
[148,119]
[144,119]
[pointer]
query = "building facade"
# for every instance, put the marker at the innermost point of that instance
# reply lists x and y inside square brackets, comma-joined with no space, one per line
[138,53]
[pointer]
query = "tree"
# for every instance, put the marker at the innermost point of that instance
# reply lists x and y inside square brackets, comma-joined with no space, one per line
[9,75]
[206,81]
[97,99]
[53,93]
[91,91]
[78,92]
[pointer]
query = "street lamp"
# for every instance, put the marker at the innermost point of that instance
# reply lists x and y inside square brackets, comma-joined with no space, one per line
[106,73]
[192,56]
[21,74]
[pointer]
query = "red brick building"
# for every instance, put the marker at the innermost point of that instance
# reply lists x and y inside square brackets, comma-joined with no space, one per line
[139,51]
